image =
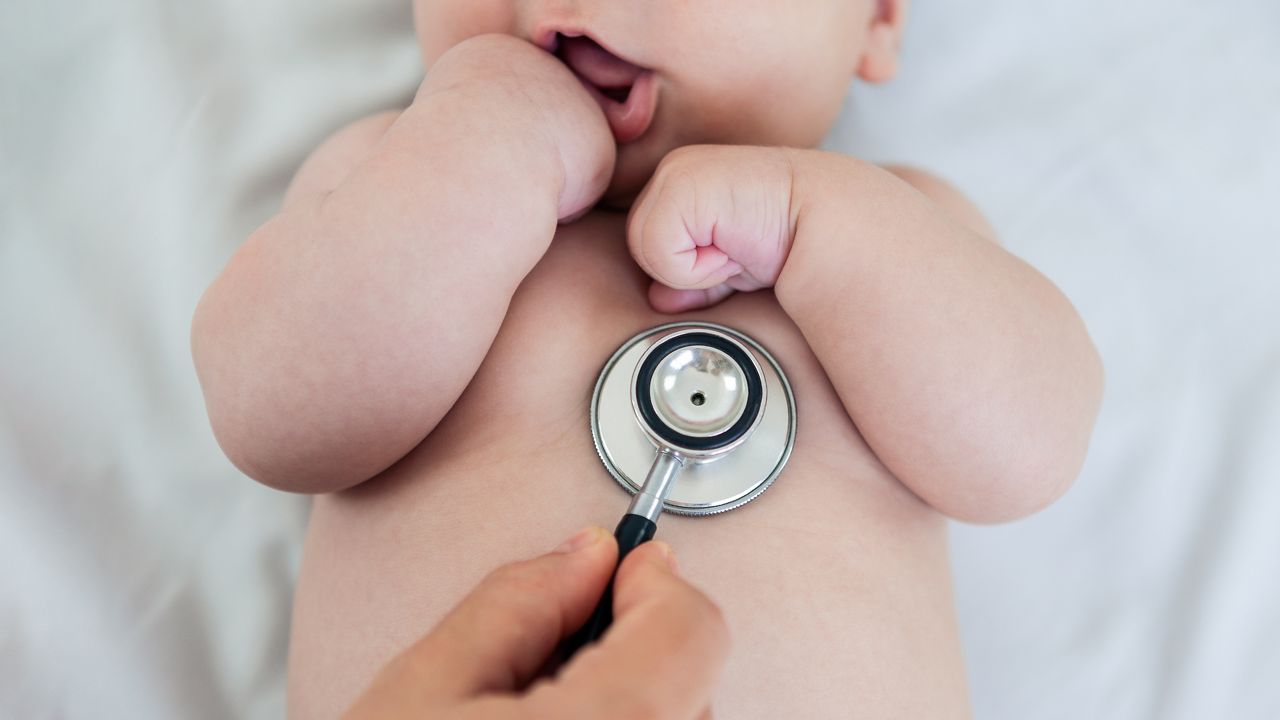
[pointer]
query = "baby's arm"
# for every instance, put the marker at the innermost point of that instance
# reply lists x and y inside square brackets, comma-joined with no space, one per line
[969,374]
[344,328]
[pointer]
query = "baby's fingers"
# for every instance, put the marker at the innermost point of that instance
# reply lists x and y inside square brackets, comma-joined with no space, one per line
[709,215]
[670,300]
[667,239]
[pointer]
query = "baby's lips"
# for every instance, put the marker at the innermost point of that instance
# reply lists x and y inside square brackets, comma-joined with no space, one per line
[599,66]
[600,71]
[629,120]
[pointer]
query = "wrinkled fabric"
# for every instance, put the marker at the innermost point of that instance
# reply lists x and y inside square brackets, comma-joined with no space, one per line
[1130,151]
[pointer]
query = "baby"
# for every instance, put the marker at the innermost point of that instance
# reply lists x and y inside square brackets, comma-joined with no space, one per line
[414,339]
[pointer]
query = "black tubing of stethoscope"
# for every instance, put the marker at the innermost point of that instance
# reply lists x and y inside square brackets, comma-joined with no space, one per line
[632,531]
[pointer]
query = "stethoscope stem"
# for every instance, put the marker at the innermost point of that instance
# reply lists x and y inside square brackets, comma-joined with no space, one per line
[635,528]
[647,503]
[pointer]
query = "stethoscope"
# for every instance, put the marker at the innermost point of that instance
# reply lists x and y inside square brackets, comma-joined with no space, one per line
[690,401]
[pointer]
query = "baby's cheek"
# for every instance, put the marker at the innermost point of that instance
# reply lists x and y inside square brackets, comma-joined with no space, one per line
[777,97]
[441,24]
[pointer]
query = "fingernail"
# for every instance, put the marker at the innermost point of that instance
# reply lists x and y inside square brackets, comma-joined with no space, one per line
[585,537]
[669,555]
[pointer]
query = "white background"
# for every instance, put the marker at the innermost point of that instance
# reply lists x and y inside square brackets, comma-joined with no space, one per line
[1129,150]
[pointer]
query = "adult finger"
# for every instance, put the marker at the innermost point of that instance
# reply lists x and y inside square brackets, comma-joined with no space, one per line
[499,636]
[660,658]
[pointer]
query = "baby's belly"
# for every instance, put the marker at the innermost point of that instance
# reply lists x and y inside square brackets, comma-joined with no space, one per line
[835,582]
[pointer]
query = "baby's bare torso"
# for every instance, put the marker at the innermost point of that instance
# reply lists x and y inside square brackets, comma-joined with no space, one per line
[835,583]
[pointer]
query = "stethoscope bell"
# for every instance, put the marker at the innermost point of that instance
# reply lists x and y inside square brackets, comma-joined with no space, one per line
[702,397]
[698,392]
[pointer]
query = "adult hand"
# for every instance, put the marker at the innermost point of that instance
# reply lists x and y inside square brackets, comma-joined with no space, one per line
[659,659]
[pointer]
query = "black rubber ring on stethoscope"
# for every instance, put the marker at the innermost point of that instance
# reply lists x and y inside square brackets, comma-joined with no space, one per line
[755,390]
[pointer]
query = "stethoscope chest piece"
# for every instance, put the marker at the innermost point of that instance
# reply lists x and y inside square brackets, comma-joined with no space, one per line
[692,419]
[706,395]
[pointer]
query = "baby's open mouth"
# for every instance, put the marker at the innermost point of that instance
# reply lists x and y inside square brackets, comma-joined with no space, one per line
[626,92]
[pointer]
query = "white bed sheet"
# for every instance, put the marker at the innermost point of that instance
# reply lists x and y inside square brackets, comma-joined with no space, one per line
[1129,150]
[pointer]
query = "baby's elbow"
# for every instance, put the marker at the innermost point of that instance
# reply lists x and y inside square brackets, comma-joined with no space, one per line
[247,456]
[1038,458]
[278,461]
[270,449]
[1011,493]
[1023,477]
[256,447]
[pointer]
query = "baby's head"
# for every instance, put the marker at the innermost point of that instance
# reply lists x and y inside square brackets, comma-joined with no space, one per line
[679,72]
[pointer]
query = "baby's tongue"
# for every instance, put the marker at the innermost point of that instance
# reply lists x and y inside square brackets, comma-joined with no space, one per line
[597,65]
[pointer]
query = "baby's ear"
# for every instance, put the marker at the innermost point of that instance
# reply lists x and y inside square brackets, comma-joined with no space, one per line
[879,61]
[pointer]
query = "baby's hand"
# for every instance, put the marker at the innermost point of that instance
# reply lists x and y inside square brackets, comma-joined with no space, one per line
[713,219]
[498,78]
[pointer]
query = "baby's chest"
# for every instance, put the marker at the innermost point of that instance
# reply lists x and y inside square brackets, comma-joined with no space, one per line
[585,299]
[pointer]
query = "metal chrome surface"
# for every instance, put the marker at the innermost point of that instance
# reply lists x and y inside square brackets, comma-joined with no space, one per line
[698,390]
[657,484]
[703,373]
[705,486]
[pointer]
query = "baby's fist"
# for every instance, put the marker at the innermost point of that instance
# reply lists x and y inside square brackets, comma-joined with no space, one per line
[538,97]
[713,219]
